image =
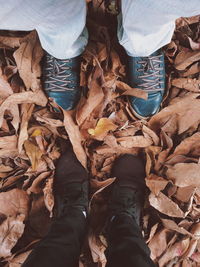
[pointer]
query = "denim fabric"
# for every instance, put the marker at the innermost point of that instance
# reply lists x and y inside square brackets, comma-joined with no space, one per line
[147,25]
[144,25]
[60,23]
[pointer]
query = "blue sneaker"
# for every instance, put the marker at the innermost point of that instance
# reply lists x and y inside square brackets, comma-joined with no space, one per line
[148,74]
[61,80]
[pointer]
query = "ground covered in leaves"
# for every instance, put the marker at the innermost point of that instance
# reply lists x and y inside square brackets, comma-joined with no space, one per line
[102,127]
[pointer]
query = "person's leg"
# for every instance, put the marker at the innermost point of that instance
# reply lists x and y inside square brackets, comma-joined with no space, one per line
[61,247]
[60,25]
[126,245]
[148,25]
[144,28]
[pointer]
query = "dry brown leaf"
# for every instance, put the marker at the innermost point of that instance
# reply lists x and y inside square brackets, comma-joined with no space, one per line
[148,132]
[172,226]
[97,251]
[195,68]
[18,260]
[152,232]
[182,113]
[189,84]
[5,88]
[28,57]
[194,45]
[14,110]
[156,183]
[191,249]
[185,194]
[165,205]
[186,58]
[131,91]
[37,98]
[14,206]
[36,185]
[134,141]
[75,137]
[177,250]
[190,145]
[196,257]
[26,110]
[48,196]
[9,42]
[95,97]
[158,243]
[184,174]
[196,230]
[8,142]
[151,157]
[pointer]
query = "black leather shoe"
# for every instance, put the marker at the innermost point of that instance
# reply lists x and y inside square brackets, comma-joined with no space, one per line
[129,187]
[61,80]
[148,74]
[70,185]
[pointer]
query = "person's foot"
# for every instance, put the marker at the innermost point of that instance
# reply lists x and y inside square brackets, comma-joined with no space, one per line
[70,185]
[148,74]
[127,195]
[61,80]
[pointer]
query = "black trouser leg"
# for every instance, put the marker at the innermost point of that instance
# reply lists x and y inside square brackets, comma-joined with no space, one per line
[126,246]
[61,247]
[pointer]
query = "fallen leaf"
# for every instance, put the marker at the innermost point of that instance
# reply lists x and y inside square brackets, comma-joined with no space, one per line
[26,110]
[104,125]
[37,98]
[134,141]
[8,142]
[172,226]
[165,205]
[184,59]
[177,250]
[194,45]
[34,154]
[184,174]
[158,243]
[156,183]
[192,85]
[28,57]
[95,97]
[14,210]
[75,137]
[131,91]
[97,251]
[185,115]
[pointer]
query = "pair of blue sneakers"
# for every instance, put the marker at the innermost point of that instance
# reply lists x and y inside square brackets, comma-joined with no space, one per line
[62,83]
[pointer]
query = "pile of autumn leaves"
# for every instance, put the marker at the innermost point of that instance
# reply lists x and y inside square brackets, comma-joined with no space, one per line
[100,129]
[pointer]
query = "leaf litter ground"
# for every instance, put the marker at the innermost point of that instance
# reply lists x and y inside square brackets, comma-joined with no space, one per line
[32,137]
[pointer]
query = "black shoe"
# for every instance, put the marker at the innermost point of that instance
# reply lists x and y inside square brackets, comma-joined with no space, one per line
[70,185]
[61,80]
[129,187]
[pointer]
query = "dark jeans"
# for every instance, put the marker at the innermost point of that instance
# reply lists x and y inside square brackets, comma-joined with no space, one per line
[61,247]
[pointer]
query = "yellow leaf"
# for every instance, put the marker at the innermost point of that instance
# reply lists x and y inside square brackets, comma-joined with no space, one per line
[34,153]
[103,126]
[37,132]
